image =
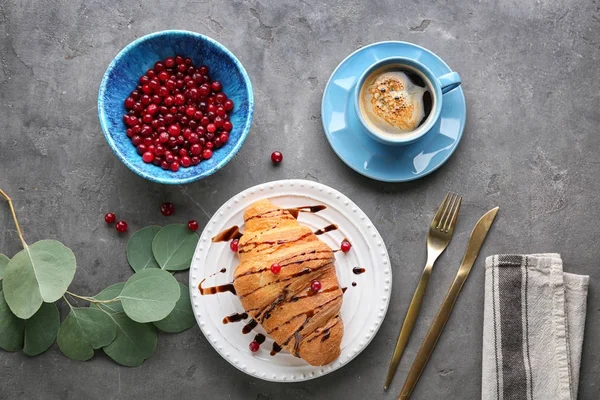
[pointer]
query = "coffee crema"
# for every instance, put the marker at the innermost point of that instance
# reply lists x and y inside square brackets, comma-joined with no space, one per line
[395,99]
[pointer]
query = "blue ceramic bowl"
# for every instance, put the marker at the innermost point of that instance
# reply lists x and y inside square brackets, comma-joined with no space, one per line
[131,63]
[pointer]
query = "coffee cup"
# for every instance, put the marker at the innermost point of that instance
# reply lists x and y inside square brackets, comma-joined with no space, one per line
[398,99]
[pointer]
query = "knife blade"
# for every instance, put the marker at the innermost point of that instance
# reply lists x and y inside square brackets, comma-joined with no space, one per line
[476,240]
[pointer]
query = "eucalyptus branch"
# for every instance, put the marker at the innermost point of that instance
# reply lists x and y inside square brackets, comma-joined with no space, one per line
[14,214]
[67,301]
[91,299]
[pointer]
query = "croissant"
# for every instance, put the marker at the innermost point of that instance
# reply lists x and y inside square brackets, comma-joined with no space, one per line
[305,322]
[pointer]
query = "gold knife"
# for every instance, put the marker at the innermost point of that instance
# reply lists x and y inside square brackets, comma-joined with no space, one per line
[475,242]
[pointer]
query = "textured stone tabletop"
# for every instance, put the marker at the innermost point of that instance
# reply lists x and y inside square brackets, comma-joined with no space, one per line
[531,78]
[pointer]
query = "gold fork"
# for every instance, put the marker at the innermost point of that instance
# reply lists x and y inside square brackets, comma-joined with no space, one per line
[440,233]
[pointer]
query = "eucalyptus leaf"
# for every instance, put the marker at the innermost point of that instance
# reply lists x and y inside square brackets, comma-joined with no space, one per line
[173,247]
[139,249]
[39,273]
[182,316]
[3,263]
[41,329]
[11,328]
[133,342]
[84,330]
[149,295]
[110,293]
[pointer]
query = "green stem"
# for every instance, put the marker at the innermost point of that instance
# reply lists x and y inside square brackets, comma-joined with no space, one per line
[67,301]
[91,299]
[14,214]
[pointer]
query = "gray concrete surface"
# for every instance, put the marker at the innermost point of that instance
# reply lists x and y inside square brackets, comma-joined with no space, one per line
[531,79]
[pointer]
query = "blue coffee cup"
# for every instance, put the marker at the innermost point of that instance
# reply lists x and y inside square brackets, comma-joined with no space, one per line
[439,85]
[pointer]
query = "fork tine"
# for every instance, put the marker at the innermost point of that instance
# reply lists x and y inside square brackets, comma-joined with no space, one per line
[440,212]
[447,210]
[455,212]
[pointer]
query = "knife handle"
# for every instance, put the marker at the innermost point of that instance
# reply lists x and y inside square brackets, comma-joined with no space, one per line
[433,335]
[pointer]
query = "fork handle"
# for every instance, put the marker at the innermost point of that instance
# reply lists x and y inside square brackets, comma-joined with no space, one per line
[409,323]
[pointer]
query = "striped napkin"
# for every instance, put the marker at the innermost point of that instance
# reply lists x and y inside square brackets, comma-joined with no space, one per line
[534,318]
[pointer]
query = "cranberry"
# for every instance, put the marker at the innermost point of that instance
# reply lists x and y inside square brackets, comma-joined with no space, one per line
[110,218]
[174,130]
[234,245]
[167,209]
[196,149]
[275,268]
[224,138]
[228,105]
[180,99]
[254,346]
[163,76]
[163,137]
[346,246]
[185,161]
[216,86]
[164,165]
[129,103]
[207,154]
[211,128]
[175,166]
[121,226]
[163,91]
[204,90]
[148,157]
[315,286]
[193,225]
[169,62]
[227,126]
[276,157]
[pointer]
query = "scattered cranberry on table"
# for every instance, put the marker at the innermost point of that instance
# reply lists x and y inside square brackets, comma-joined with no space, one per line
[276,157]
[109,218]
[315,286]
[275,268]
[167,209]
[177,116]
[193,225]
[121,226]
[346,246]
[254,346]
[234,245]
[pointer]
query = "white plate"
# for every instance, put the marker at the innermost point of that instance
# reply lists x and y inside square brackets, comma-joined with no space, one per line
[364,305]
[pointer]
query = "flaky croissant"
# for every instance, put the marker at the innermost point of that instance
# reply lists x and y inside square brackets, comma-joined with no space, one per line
[305,322]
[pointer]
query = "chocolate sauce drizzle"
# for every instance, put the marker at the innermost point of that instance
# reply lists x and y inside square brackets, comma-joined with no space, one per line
[328,228]
[259,338]
[249,326]
[353,283]
[236,317]
[276,349]
[228,234]
[358,270]
[228,287]
[312,209]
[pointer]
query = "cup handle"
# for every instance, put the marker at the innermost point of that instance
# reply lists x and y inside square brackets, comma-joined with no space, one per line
[449,81]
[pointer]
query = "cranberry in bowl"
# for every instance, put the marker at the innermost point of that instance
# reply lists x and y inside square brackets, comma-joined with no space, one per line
[175,106]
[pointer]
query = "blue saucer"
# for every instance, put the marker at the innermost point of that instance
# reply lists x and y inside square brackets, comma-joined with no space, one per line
[375,160]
